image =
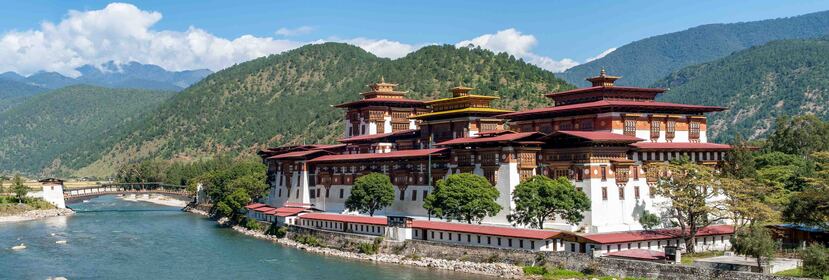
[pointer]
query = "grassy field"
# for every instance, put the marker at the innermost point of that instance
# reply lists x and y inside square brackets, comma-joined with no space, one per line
[560,274]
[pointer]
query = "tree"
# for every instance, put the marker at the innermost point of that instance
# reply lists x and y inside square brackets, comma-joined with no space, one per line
[371,192]
[739,163]
[2,182]
[800,135]
[811,206]
[20,189]
[233,203]
[463,197]
[649,220]
[691,192]
[540,198]
[755,241]
[815,261]
[748,201]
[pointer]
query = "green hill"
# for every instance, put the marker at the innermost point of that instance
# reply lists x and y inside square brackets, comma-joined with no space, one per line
[14,92]
[643,62]
[789,77]
[286,98]
[48,124]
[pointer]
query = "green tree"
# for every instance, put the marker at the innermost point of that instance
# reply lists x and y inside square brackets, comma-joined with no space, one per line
[20,189]
[815,261]
[755,241]
[2,184]
[739,163]
[690,189]
[811,205]
[540,198]
[232,204]
[371,192]
[649,220]
[800,135]
[463,197]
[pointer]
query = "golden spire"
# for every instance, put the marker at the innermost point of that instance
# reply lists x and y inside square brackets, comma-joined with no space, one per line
[461,90]
[603,80]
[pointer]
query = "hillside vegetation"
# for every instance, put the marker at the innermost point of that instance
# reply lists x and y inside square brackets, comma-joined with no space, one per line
[47,125]
[645,61]
[286,98]
[789,77]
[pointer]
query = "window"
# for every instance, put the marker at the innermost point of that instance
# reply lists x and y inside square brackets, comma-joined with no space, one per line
[604,193]
[604,173]
[499,241]
[441,235]
[586,125]
[280,192]
[488,240]
[655,128]
[468,238]
[693,132]
[630,127]
[579,174]
[402,195]
[318,192]
[621,193]
[414,195]
[342,192]
[565,126]
[670,130]
[425,193]
[326,192]
[509,242]
[636,192]
[636,173]
[521,243]
[479,239]
[313,194]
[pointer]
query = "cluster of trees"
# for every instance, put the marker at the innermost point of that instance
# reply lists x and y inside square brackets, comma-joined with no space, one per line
[17,188]
[230,183]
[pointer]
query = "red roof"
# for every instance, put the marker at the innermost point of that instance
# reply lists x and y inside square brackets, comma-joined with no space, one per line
[488,230]
[599,136]
[284,211]
[389,155]
[367,101]
[603,88]
[264,209]
[483,139]
[659,234]
[297,204]
[369,137]
[297,154]
[680,146]
[640,254]
[345,218]
[601,104]
[255,205]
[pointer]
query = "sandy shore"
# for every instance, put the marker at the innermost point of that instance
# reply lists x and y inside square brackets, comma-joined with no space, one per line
[156,199]
[36,214]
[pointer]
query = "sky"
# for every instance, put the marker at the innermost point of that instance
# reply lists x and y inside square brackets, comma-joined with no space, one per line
[40,35]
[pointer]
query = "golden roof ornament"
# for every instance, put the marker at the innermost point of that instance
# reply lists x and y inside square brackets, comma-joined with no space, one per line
[459,91]
[603,80]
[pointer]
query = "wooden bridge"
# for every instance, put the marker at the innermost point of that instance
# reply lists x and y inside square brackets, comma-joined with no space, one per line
[126,188]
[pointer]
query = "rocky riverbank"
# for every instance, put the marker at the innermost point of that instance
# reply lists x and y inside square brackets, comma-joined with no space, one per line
[36,214]
[492,269]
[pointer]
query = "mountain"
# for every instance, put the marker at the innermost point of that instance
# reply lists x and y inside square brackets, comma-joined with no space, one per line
[14,92]
[137,75]
[643,62]
[12,76]
[287,98]
[51,123]
[788,77]
[50,80]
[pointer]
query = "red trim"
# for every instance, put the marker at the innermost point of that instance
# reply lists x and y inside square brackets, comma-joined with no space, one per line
[598,136]
[297,154]
[605,89]
[486,230]
[485,139]
[345,218]
[255,205]
[653,146]
[659,234]
[370,156]
[375,136]
[601,104]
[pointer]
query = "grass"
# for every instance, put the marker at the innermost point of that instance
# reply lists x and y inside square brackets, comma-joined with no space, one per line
[688,259]
[9,205]
[559,273]
[794,272]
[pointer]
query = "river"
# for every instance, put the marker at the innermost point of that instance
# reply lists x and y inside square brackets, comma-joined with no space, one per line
[110,238]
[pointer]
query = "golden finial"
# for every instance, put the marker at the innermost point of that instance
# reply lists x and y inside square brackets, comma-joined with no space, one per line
[602,73]
[382,79]
[603,79]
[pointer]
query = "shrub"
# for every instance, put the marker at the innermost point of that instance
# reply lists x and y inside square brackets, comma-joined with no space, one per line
[535,270]
[281,232]
[252,224]
[307,239]
[413,257]
[367,248]
[492,258]
[815,261]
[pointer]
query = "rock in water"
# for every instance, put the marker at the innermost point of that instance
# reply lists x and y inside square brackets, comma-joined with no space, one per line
[61,242]
[19,247]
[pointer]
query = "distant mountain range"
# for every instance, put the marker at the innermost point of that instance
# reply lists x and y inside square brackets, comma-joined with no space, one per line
[113,75]
[645,61]
[788,77]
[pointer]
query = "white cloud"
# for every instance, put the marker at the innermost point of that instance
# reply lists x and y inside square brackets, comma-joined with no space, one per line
[603,54]
[122,32]
[511,41]
[302,30]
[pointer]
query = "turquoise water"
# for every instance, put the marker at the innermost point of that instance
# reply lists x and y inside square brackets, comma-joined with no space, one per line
[120,239]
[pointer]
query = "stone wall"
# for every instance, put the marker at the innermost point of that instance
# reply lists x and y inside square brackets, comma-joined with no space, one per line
[339,240]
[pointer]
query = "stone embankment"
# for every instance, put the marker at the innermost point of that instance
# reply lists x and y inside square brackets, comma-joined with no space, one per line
[36,214]
[492,269]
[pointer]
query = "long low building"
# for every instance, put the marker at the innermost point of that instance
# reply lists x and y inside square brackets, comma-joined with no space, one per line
[716,237]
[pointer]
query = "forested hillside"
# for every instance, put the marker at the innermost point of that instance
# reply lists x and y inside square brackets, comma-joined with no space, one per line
[15,92]
[643,62]
[287,98]
[789,77]
[43,127]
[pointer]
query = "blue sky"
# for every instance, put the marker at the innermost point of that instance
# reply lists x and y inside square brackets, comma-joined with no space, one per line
[552,34]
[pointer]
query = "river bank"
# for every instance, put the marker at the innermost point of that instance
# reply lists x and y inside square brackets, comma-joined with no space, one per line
[502,270]
[36,214]
[156,199]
